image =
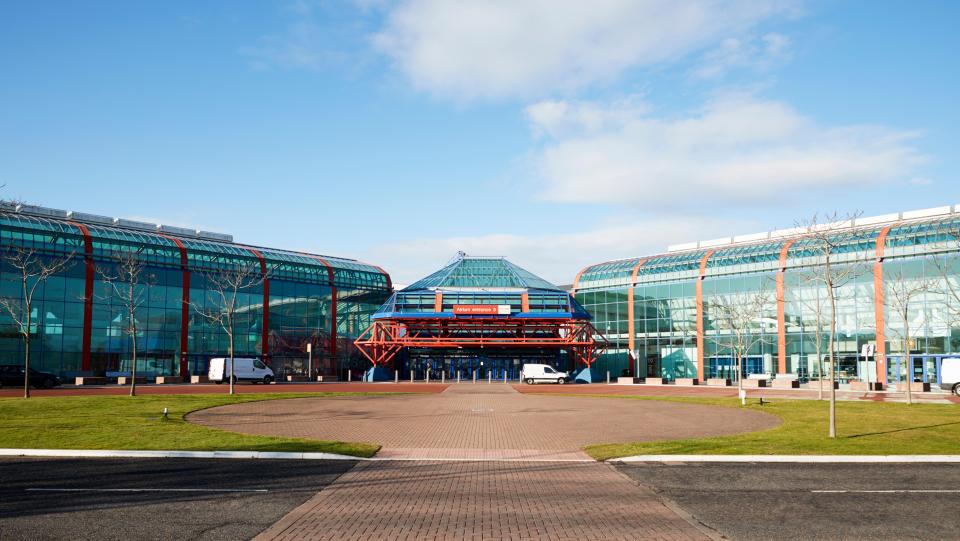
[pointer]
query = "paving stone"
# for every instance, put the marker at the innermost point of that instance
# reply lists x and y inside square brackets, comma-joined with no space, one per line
[482,500]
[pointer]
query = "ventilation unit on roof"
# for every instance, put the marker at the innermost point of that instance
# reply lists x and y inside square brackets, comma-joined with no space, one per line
[133,224]
[223,237]
[173,230]
[41,211]
[90,218]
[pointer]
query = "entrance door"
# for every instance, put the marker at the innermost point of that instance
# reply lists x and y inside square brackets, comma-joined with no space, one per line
[926,368]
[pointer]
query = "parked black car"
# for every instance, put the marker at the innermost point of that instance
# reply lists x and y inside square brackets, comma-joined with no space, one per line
[12,375]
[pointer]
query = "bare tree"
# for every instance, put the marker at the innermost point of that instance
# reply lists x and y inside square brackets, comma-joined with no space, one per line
[224,288]
[815,305]
[824,240]
[128,282]
[31,268]
[738,326]
[901,293]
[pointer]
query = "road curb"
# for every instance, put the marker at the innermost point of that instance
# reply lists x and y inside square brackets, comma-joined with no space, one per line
[820,459]
[99,453]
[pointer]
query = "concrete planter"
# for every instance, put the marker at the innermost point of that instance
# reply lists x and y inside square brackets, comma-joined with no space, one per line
[199,379]
[298,378]
[754,383]
[920,387]
[166,380]
[718,382]
[627,381]
[688,381]
[125,380]
[786,384]
[327,379]
[654,381]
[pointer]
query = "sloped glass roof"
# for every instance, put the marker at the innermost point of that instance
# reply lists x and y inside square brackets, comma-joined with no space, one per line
[485,273]
[347,272]
[612,270]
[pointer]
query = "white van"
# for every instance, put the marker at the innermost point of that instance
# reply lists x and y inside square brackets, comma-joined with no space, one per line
[253,370]
[950,375]
[533,373]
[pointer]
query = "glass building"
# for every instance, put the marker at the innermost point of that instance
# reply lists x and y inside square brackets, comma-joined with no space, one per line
[478,316]
[79,321]
[656,310]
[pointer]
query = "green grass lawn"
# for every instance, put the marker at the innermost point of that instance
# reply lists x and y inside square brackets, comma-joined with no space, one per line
[863,428]
[122,422]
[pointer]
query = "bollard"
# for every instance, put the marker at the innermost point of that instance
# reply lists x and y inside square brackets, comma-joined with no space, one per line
[504,376]
[489,377]
[443,376]
[474,376]
[458,376]
[411,376]
[428,376]
[349,375]
[396,376]
[608,377]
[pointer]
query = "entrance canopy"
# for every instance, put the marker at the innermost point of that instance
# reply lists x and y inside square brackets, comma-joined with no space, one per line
[481,303]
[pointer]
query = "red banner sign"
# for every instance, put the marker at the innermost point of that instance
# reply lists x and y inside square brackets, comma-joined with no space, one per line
[480,309]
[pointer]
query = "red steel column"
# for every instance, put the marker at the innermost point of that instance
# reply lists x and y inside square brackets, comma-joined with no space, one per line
[525,302]
[576,281]
[185,307]
[781,316]
[438,302]
[878,306]
[700,337]
[631,326]
[265,339]
[85,363]
[333,306]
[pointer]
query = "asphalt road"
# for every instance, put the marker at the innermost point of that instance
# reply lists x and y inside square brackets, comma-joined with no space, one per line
[237,499]
[813,501]
[154,498]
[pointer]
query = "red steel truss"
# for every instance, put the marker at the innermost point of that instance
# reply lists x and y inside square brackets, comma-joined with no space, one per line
[386,337]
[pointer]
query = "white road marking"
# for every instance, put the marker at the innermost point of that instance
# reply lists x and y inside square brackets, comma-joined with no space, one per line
[147,490]
[900,491]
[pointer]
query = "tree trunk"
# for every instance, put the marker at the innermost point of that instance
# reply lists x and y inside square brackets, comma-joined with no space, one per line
[133,337]
[232,373]
[743,399]
[26,358]
[819,350]
[833,364]
[906,356]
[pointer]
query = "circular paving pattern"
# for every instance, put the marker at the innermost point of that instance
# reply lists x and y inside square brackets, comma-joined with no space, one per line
[482,421]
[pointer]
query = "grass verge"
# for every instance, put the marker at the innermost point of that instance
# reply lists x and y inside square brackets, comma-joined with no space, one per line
[863,428]
[122,422]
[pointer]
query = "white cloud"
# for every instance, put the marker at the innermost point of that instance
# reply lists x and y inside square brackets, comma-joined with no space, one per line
[744,53]
[556,257]
[737,148]
[499,48]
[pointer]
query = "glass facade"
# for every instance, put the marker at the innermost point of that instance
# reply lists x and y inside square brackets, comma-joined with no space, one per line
[656,311]
[79,320]
[428,309]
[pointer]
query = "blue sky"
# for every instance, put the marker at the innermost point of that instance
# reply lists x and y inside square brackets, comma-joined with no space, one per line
[557,134]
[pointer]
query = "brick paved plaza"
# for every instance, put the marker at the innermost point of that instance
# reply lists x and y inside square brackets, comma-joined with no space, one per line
[482,461]
[481,421]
